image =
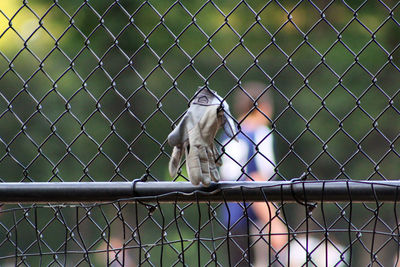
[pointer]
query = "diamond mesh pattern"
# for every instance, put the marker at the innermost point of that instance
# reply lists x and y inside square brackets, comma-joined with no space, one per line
[91,89]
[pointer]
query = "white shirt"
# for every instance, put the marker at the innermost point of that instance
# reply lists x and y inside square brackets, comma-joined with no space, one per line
[237,155]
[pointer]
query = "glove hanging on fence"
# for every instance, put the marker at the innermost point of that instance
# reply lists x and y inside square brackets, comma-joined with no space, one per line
[194,137]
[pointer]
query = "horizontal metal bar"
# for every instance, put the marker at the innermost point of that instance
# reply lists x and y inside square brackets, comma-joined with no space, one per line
[64,192]
[303,191]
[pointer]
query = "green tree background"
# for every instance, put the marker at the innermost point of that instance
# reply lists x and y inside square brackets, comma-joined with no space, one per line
[89,90]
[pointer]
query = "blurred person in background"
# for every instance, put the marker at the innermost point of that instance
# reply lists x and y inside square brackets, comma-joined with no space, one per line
[253,152]
[113,254]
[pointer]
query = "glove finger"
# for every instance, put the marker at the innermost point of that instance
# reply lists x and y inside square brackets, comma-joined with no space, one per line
[175,161]
[217,160]
[213,168]
[205,165]
[193,165]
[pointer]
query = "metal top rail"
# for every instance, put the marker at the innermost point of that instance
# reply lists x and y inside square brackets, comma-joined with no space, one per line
[288,191]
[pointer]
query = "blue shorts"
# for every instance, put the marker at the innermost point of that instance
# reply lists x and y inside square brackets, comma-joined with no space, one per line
[236,217]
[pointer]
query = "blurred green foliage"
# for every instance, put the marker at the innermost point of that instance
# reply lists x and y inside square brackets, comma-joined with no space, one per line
[89,90]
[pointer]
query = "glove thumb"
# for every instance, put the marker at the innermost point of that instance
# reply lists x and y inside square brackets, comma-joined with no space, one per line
[175,160]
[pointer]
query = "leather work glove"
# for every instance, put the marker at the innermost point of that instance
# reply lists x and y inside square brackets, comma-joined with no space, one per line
[194,137]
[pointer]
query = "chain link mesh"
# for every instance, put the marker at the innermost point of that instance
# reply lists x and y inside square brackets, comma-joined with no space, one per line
[90,90]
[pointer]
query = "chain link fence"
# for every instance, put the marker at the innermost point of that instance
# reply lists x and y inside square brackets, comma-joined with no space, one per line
[89,91]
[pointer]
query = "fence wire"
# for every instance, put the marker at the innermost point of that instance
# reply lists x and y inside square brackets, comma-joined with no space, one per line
[89,91]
